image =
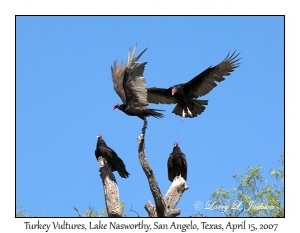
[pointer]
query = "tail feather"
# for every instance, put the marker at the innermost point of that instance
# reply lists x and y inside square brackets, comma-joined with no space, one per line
[153,112]
[177,110]
[123,173]
[198,106]
[197,109]
[121,169]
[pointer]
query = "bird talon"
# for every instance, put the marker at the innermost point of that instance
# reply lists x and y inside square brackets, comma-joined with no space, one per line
[183,114]
[189,112]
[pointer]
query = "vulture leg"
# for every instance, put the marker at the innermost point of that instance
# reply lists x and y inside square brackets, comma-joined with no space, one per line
[145,124]
[183,114]
[189,112]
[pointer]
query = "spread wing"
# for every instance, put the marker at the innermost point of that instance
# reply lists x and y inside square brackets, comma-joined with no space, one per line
[117,73]
[204,82]
[160,96]
[134,83]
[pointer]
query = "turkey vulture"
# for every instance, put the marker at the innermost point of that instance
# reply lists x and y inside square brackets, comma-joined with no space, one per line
[184,95]
[130,85]
[177,165]
[115,163]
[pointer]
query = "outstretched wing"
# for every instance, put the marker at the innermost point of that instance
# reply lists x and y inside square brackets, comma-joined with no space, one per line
[204,82]
[160,96]
[117,73]
[134,83]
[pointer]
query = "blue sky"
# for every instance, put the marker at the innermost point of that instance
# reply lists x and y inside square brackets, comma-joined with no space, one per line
[65,97]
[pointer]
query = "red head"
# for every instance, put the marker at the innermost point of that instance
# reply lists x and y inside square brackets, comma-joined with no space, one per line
[175,144]
[173,90]
[116,106]
[99,136]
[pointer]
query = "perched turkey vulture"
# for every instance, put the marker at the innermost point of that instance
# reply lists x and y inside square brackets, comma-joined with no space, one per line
[130,85]
[115,163]
[177,164]
[184,95]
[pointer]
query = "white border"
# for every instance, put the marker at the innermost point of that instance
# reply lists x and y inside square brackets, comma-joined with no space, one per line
[95,7]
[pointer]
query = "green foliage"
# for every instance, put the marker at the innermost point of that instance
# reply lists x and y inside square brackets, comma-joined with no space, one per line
[278,173]
[253,196]
[198,215]
[21,212]
[90,212]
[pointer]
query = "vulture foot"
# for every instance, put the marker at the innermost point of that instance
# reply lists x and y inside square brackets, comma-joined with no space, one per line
[183,114]
[189,112]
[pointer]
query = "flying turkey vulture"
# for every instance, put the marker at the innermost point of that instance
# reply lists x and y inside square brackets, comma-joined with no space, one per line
[177,164]
[115,163]
[130,85]
[184,95]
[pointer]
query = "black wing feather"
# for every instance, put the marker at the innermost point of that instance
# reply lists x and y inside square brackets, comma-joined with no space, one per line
[177,164]
[170,168]
[117,73]
[114,161]
[160,96]
[135,86]
[204,82]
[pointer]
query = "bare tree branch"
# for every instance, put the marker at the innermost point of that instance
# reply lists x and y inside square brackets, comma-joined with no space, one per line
[158,198]
[78,212]
[134,211]
[173,213]
[241,210]
[164,207]
[171,198]
[111,192]
[174,194]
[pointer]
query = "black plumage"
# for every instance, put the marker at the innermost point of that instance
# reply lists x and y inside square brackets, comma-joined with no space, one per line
[130,85]
[185,94]
[115,163]
[177,164]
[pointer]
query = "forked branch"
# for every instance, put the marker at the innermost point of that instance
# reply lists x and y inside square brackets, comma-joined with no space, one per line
[164,207]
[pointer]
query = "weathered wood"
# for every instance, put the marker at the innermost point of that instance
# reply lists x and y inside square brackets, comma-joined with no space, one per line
[173,213]
[158,198]
[164,207]
[150,209]
[171,198]
[111,191]
[174,194]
